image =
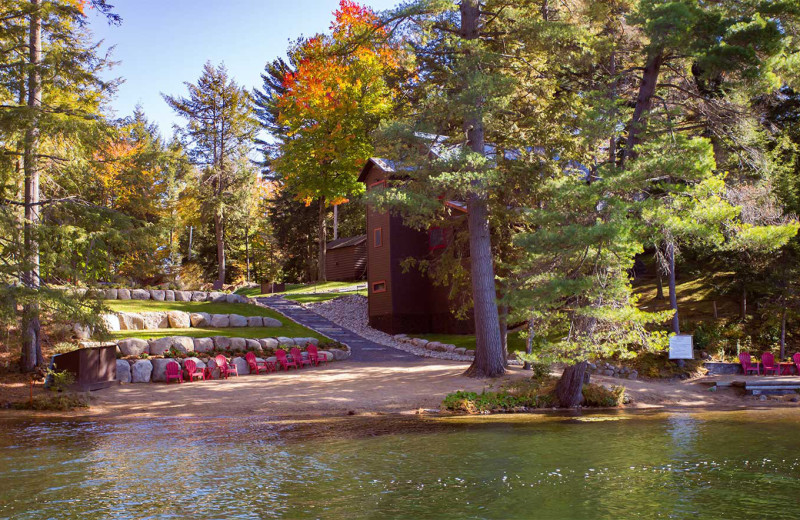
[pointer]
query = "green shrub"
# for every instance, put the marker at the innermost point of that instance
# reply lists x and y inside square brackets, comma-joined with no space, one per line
[60,381]
[598,395]
[63,347]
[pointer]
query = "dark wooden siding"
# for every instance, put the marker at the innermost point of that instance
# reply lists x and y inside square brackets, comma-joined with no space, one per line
[379,260]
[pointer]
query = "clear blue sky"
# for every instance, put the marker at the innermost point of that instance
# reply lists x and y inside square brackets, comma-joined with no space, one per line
[162,43]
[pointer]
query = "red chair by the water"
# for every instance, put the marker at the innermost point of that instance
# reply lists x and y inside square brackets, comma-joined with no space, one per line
[174,372]
[225,368]
[191,371]
[768,362]
[280,354]
[297,356]
[315,356]
[257,366]
[796,359]
[747,365]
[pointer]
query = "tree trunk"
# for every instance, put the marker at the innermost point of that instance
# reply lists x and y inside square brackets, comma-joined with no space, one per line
[247,249]
[659,286]
[644,102]
[191,236]
[783,334]
[714,305]
[322,239]
[336,222]
[529,344]
[743,310]
[569,387]
[218,231]
[488,360]
[31,328]
[504,331]
[673,296]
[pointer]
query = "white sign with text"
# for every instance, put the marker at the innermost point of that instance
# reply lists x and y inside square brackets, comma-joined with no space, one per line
[681,346]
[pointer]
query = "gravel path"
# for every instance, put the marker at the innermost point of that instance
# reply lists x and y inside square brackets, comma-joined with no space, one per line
[350,312]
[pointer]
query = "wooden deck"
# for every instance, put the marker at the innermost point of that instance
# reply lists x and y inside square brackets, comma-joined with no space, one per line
[756,385]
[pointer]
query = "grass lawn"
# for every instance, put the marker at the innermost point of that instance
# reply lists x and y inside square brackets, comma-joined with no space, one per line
[515,341]
[295,288]
[320,297]
[289,329]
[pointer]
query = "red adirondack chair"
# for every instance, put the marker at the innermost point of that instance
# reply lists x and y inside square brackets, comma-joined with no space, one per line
[225,368]
[191,371]
[768,362]
[280,354]
[315,356]
[174,372]
[297,356]
[257,366]
[796,359]
[747,365]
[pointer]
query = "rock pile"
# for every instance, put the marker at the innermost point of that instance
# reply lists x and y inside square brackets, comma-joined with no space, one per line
[602,368]
[177,320]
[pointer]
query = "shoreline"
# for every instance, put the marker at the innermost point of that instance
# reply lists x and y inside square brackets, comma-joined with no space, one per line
[353,389]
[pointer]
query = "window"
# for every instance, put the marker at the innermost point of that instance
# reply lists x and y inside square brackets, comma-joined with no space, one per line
[377,237]
[436,238]
[379,286]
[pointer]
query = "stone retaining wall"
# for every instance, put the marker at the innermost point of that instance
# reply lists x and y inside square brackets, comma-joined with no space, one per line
[177,320]
[166,295]
[434,346]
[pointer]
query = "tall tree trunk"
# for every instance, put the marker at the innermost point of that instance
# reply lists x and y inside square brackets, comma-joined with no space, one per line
[191,236]
[31,327]
[569,387]
[335,221]
[673,296]
[783,334]
[322,239]
[659,286]
[743,310]
[504,330]
[247,249]
[488,360]
[644,102]
[219,232]
[529,343]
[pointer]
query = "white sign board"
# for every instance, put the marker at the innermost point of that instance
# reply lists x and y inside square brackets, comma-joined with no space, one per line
[681,346]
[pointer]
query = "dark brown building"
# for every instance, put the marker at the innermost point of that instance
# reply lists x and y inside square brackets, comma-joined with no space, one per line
[403,302]
[346,259]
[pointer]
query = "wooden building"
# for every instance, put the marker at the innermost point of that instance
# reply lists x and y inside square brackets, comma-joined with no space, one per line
[346,259]
[403,302]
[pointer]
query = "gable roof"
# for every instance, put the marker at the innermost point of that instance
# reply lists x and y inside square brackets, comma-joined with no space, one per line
[346,242]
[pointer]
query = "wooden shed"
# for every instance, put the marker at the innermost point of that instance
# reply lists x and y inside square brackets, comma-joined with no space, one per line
[346,259]
[403,301]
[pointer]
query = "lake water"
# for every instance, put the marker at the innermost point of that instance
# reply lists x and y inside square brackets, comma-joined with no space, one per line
[668,465]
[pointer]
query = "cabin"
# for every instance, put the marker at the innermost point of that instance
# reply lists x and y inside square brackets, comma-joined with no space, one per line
[346,259]
[404,302]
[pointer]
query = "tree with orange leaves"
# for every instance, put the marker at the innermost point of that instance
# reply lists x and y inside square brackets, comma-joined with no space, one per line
[321,107]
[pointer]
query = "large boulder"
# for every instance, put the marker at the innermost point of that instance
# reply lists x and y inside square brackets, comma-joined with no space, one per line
[179,319]
[200,319]
[203,344]
[141,371]
[212,367]
[123,294]
[340,355]
[222,342]
[269,343]
[183,296]
[237,320]
[271,322]
[220,321]
[255,321]
[140,294]
[252,344]
[157,295]
[199,296]
[112,322]
[184,344]
[160,345]
[198,363]
[130,321]
[217,297]
[238,343]
[111,294]
[232,298]
[160,368]
[155,320]
[123,371]
[302,342]
[82,331]
[328,355]
[241,365]
[133,346]
[283,341]
[313,341]
[169,296]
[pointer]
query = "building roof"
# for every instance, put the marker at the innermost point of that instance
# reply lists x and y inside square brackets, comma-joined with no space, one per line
[346,242]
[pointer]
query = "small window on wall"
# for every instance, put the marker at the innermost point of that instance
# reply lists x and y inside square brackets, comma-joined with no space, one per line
[379,286]
[377,237]
[436,238]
